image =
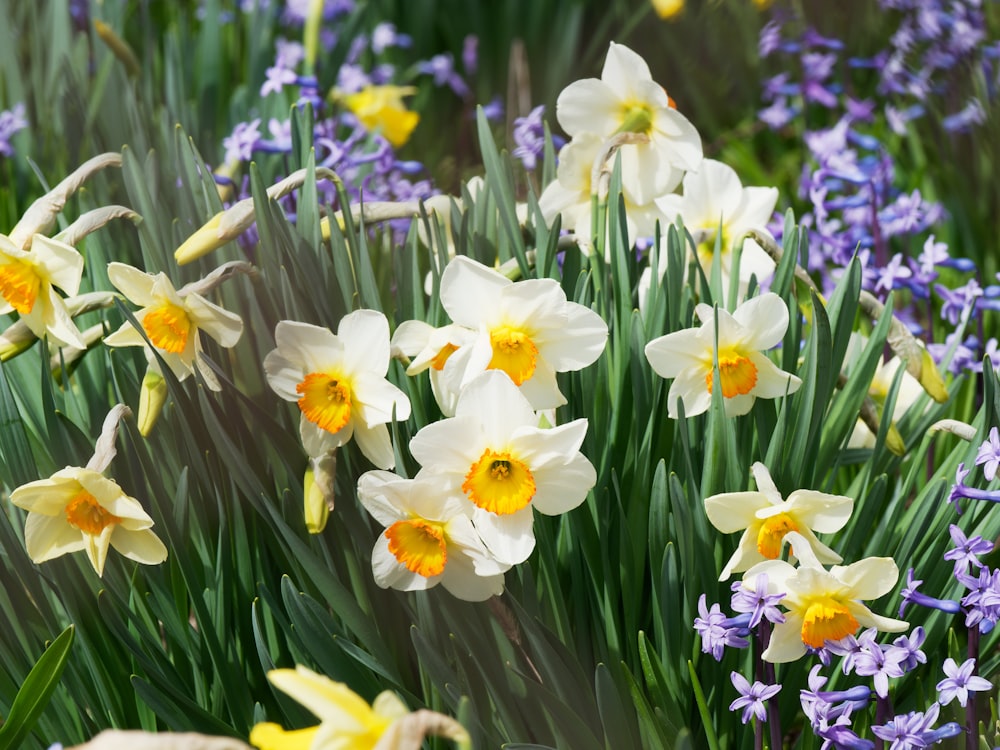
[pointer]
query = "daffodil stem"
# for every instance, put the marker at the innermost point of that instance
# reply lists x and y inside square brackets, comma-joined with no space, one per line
[971,725]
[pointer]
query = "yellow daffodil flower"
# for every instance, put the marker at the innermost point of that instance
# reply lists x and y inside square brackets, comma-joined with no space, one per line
[744,371]
[381,109]
[626,99]
[431,349]
[338,381]
[765,519]
[28,281]
[493,452]
[823,605]
[428,538]
[81,509]
[172,319]
[347,722]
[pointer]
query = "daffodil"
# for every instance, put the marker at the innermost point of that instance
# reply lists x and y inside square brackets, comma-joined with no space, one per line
[338,381]
[765,518]
[28,282]
[626,99]
[569,195]
[432,349]
[745,373]
[714,199]
[909,391]
[823,605]
[81,509]
[381,109]
[493,452]
[173,318]
[428,538]
[527,329]
[347,721]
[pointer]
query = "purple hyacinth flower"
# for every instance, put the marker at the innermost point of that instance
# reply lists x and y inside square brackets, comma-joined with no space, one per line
[960,681]
[752,697]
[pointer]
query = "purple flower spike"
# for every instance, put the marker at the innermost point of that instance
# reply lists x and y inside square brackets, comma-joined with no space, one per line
[752,697]
[718,631]
[758,602]
[967,551]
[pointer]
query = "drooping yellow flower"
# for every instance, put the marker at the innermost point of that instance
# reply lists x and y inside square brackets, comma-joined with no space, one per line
[347,722]
[381,109]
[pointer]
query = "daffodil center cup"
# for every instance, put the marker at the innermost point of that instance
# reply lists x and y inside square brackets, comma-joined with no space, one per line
[636,118]
[19,285]
[441,357]
[513,352]
[419,545]
[772,533]
[168,327]
[826,619]
[737,373]
[499,482]
[326,400]
[85,513]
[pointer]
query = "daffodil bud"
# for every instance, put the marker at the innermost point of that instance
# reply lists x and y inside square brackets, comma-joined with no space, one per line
[202,242]
[318,491]
[151,397]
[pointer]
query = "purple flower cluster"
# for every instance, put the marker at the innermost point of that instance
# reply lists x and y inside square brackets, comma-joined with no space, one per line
[856,206]
[937,52]
[718,631]
[11,121]
[914,730]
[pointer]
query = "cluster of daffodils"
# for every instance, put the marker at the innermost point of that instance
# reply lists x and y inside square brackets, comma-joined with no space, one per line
[799,606]
[821,605]
[467,516]
[626,113]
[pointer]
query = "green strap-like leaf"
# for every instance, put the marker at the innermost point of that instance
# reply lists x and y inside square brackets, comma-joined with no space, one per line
[34,694]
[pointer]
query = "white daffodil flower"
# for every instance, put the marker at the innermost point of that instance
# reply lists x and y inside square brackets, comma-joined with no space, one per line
[627,100]
[172,319]
[431,349]
[493,452]
[527,329]
[347,721]
[81,509]
[28,282]
[569,195]
[338,381]
[765,518]
[428,538]
[744,371]
[714,196]
[909,391]
[823,605]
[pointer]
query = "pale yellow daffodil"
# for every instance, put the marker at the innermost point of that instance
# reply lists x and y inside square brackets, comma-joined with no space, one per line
[172,319]
[765,518]
[823,605]
[81,509]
